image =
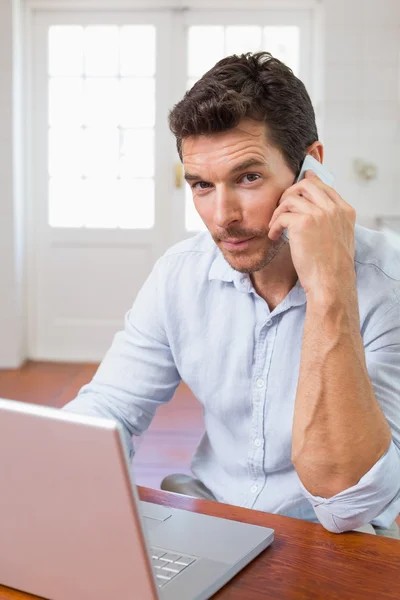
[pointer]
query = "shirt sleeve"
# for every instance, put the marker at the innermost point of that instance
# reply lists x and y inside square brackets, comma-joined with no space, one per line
[376,497]
[138,372]
[376,494]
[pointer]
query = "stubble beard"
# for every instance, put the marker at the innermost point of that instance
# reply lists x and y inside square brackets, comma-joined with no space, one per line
[252,264]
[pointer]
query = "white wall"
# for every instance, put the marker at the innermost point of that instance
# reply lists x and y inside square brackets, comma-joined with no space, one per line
[362,100]
[362,120]
[12,323]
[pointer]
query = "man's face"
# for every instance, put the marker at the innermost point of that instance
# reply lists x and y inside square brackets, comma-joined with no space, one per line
[237,178]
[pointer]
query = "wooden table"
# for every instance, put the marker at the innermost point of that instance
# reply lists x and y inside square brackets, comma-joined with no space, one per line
[304,562]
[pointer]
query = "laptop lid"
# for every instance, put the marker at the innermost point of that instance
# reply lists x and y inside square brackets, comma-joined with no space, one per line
[67,505]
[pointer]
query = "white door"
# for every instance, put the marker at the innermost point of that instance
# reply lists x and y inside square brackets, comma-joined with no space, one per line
[107,200]
[101,173]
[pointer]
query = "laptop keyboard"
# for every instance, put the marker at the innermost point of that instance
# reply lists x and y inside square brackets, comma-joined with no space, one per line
[168,565]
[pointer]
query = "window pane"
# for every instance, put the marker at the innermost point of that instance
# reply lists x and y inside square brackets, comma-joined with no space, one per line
[100,198]
[101,50]
[65,50]
[66,207]
[101,203]
[193,222]
[206,47]
[137,153]
[101,152]
[138,50]
[191,82]
[101,101]
[137,102]
[65,101]
[284,43]
[136,203]
[101,116]
[65,151]
[243,38]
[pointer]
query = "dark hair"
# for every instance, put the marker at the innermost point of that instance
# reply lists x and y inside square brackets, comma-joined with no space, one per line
[255,86]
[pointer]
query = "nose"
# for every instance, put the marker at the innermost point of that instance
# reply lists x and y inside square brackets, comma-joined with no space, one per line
[226,208]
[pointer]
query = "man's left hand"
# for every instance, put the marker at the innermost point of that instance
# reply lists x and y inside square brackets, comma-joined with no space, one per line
[320,227]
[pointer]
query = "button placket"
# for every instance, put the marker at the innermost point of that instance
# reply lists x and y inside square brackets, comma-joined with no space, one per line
[263,355]
[255,453]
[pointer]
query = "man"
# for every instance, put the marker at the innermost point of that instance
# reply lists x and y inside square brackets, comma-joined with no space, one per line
[292,347]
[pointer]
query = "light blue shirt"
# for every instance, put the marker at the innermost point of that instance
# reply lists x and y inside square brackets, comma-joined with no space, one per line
[198,320]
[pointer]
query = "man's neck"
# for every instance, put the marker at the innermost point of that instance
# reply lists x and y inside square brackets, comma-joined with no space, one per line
[274,282]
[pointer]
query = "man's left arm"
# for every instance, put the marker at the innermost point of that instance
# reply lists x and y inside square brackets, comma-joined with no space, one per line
[342,445]
[343,451]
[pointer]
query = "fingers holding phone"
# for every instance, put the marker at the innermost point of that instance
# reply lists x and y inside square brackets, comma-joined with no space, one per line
[319,225]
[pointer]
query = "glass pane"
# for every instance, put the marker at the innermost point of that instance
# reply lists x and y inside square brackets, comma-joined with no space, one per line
[136,203]
[242,39]
[138,50]
[88,151]
[65,151]
[61,60]
[137,102]
[193,221]
[101,152]
[101,101]
[137,153]
[65,101]
[101,203]
[101,50]
[206,47]
[66,202]
[100,198]
[191,82]
[284,43]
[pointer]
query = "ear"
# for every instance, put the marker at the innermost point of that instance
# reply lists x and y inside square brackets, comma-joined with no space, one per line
[317,151]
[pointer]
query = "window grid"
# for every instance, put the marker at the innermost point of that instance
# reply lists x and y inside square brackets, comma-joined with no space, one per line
[101,147]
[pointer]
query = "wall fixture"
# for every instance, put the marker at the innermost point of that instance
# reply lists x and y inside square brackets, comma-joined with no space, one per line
[366,171]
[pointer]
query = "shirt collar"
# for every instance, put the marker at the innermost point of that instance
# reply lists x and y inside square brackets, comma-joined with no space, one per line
[220,269]
[297,295]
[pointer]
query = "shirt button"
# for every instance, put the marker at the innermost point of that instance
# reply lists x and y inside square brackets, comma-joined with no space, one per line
[257,443]
[268,323]
[253,489]
[260,383]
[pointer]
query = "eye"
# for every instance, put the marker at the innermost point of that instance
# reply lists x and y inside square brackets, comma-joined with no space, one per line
[201,185]
[251,177]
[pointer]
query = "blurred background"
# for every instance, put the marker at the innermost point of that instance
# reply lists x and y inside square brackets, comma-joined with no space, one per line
[91,185]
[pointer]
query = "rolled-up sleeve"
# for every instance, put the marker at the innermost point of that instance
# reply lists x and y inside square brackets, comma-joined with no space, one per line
[375,498]
[138,372]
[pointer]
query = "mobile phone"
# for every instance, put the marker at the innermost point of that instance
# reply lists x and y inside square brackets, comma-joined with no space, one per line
[311,164]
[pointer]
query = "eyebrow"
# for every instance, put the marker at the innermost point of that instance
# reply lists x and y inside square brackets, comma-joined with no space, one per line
[250,162]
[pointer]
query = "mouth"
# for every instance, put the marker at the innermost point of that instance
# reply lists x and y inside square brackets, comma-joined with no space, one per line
[236,245]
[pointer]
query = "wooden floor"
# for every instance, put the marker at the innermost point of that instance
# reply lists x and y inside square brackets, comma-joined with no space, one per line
[166,448]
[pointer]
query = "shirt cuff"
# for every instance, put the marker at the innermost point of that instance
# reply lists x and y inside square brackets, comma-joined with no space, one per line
[377,491]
